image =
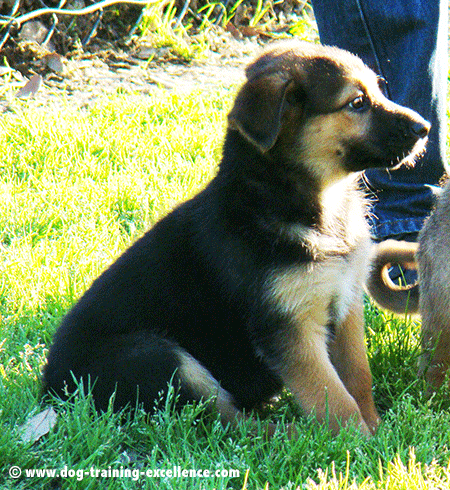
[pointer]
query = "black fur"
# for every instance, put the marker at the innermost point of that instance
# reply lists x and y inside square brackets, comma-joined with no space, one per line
[195,280]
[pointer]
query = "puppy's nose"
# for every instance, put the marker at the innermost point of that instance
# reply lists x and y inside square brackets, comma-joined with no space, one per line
[420,128]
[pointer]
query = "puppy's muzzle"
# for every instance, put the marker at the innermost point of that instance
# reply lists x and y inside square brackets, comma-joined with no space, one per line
[412,126]
[415,131]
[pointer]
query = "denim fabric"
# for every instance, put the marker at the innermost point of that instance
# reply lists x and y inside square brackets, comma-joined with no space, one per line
[404,41]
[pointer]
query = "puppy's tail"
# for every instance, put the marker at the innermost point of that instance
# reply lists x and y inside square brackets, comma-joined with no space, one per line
[399,299]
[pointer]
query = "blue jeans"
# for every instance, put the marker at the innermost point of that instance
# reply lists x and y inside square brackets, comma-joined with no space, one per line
[404,41]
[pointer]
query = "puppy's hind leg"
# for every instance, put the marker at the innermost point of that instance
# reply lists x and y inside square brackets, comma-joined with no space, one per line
[434,299]
[435,358]
[194,377]
[435,309]
[137,368]
[203,385]
[147,363]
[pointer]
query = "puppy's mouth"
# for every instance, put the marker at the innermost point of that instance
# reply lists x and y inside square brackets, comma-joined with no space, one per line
[362,155]
[409,158]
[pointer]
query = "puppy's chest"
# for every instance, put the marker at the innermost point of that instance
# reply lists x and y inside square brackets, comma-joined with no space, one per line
[323,289]
[319,291]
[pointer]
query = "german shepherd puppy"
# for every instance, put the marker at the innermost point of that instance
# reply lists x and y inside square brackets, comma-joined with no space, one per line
[430,296]
[256,282]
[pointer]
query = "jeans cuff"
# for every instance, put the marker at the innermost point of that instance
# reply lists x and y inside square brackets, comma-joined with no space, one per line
[395,228]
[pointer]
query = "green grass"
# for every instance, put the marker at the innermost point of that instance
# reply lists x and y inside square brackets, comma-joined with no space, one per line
[77,187]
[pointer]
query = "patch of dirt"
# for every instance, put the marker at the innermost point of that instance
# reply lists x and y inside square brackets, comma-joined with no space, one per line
[43,70]
[84,78]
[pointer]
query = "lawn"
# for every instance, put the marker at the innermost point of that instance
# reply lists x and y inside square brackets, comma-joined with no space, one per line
[77,187]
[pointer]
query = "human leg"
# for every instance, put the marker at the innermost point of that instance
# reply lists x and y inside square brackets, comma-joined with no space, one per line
[406,43]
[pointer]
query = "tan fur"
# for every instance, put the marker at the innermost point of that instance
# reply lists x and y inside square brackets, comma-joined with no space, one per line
[431,296]
[323,140]
[206,386]
[348,355]
[201,381]
[391,296]
[434,287]
[321,384]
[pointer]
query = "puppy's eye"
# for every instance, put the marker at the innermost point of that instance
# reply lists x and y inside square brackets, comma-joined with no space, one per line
[383,86]
[359,103]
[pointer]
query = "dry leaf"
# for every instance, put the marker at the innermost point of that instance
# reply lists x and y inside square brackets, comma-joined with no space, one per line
[38,426]
[245,31]
[233,30]
[31,87]
[248,31]
[54,62]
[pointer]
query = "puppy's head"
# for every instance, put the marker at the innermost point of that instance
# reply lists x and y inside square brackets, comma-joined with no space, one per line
[321,109]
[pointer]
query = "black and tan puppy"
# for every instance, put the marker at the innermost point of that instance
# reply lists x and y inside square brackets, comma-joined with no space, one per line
[430,296]
[255,283]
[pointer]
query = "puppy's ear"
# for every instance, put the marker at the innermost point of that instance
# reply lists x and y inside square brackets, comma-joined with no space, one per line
[258,109]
